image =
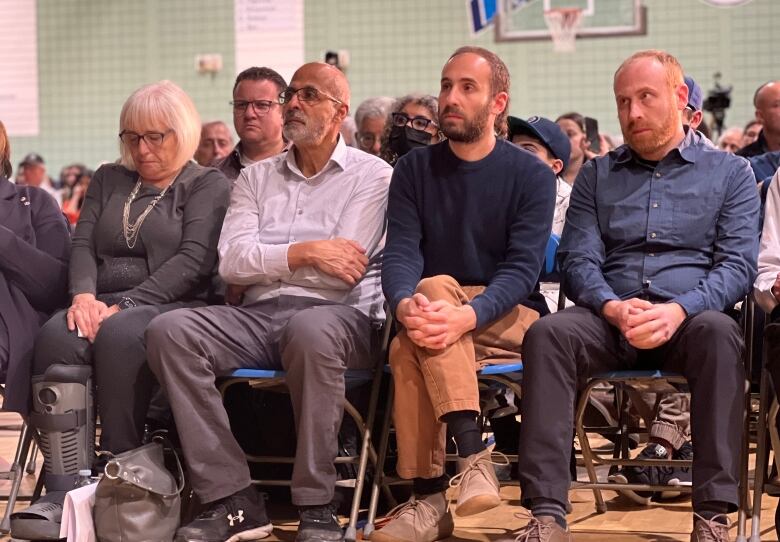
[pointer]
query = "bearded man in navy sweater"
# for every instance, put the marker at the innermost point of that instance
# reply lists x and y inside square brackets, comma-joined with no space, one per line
[468,222]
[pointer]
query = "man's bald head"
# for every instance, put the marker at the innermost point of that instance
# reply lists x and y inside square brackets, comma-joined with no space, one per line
[327,77]
[763,91]
[767,101]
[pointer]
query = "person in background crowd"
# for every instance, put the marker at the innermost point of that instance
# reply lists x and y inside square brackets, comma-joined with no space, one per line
[73,195]
[145,243]
[34,171]
[573,125]
[545,139]
[731,139]
[693,115]
[347,130]
[370,118]
[412,123]
[34,251]
[68,176]
[216,142]
[257,118]
[767,103]
[752,129]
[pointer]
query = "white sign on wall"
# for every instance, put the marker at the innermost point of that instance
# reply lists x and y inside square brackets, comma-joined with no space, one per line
[269,33]
[19,67]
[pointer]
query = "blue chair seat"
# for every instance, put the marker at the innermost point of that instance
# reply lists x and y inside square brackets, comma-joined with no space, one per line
[352,377]
[502,369]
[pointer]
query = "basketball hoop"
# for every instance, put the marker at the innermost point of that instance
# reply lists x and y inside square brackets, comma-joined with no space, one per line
[563,24]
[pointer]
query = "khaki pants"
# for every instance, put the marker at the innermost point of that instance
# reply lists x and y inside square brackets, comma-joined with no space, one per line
[431,383]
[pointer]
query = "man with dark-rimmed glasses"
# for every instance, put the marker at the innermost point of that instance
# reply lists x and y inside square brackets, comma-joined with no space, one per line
[257,118]
[304,232]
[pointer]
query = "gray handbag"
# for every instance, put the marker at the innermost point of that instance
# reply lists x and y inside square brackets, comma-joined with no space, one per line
[138,499]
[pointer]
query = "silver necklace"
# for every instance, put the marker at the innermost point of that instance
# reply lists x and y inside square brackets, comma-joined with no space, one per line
[131,231]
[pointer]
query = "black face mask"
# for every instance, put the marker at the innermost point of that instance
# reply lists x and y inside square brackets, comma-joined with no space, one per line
[405,138]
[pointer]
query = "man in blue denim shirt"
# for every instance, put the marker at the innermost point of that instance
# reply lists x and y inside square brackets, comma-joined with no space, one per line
[661,236]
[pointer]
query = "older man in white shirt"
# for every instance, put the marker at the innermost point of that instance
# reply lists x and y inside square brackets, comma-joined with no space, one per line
[303,233]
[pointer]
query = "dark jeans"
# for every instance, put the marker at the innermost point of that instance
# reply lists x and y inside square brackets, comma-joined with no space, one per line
[123,380]
[314,341]
[562,350]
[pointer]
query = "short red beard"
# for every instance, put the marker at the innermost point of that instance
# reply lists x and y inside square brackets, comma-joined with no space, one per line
[648,143]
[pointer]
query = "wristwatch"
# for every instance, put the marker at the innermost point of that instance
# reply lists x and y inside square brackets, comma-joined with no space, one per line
[126,303]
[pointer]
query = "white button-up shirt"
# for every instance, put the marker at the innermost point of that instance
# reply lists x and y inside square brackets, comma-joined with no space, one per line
[273,205]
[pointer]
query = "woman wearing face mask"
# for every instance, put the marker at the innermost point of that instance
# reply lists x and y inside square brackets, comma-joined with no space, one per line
[412,123]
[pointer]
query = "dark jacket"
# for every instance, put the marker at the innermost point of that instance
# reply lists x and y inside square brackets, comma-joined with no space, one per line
[754,149]
[230,165]
[34,250]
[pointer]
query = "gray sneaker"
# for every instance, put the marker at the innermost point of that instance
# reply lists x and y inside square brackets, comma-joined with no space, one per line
[543,529]
[709,530]
[423,519]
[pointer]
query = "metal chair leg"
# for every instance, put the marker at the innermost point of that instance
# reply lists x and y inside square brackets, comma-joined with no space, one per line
[743,477]
[744,495]
[365,449]
[22,449]
[32,463]
[587,453]
[379,475]
[762,457]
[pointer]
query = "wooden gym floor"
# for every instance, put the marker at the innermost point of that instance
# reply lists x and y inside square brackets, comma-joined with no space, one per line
[623,522]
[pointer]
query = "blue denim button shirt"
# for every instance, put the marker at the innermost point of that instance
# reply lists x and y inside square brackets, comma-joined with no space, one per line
[685,230]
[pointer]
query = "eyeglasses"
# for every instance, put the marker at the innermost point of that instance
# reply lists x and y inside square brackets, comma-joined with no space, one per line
[309,95]
[261,107]
[418,123]
[366,140]
[153,139]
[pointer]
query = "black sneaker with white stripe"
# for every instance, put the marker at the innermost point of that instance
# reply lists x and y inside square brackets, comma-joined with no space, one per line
[657,476]
[239,517]
[319,524]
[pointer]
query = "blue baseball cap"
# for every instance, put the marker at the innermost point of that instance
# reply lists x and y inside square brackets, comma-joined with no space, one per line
[547,132]
[695,100]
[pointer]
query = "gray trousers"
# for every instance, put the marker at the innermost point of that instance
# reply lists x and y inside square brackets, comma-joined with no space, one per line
[312,340]
[562,350]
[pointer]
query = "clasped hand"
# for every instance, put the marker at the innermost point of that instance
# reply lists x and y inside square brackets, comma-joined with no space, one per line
[87,313]
[434,324]
[645,325]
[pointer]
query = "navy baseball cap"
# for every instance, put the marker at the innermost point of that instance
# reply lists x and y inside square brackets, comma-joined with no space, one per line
[547,132]
[695,100]
[32,159]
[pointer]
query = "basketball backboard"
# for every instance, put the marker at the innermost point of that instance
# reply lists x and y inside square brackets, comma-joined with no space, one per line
[519,20]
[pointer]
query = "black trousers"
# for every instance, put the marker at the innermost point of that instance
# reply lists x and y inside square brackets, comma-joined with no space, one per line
[124,383]
[562,350]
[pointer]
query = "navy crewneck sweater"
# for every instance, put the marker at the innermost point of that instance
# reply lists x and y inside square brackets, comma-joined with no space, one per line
[485,223]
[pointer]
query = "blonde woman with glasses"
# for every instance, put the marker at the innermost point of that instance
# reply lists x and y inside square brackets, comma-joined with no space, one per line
[145,244]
